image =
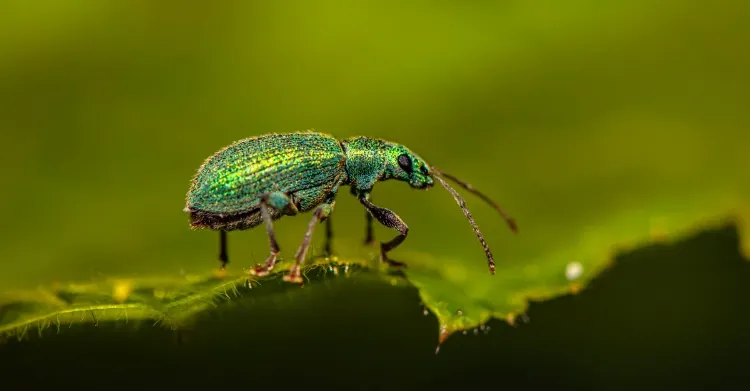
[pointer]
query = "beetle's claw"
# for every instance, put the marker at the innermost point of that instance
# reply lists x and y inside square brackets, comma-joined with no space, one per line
[259,271]
[293,277]
[263,270]
[220,272]
[392,263]
[395,264]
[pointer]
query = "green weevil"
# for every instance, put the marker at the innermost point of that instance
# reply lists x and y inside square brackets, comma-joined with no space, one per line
[261,179]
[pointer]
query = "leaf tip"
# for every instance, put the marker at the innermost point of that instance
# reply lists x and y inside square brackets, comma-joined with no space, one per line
[444,334]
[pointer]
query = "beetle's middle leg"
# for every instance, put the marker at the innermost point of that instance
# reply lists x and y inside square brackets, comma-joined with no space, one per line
[273,201]
[390,220]
[329,238]
[369,235]
[320,214]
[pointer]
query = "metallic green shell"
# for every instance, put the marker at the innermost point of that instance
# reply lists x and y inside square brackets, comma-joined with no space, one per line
[305,166]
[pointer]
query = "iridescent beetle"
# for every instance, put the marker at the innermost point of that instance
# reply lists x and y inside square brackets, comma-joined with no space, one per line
[261,179]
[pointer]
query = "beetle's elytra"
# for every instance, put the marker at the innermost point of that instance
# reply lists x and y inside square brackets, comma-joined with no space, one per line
[260,179]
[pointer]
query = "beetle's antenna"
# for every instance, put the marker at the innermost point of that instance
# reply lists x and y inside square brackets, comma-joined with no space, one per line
[462,204]
[509,220]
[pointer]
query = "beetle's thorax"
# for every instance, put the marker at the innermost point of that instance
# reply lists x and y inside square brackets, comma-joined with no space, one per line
[365,162]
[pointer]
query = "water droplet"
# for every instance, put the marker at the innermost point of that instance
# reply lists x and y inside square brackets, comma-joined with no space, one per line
[573,270]
[425,312]
[481,326]
[459,313]
[476,331]
[465,332]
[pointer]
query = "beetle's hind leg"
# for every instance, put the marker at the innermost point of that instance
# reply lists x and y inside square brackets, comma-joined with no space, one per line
[321,214]
[262,270]
[273,201]
[223,255]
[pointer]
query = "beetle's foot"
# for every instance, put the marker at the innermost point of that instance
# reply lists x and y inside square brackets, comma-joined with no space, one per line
[327,252]
[220,272]
[259,271]
[370,242]
[395,264]
[392,263]
[263,270]
[293,277]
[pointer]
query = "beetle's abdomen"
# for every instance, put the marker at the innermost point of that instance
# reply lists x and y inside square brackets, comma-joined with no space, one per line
[233,180]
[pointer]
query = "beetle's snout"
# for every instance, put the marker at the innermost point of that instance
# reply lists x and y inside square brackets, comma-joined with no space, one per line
[424,182]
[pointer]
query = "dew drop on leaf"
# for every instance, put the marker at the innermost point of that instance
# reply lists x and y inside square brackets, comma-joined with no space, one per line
[573,270]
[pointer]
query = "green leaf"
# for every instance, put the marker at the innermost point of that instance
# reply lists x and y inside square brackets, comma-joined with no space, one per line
[172,302]
[463,296]
[583,214]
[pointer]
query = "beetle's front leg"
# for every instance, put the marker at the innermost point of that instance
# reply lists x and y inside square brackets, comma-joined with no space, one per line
[390,220]
[321,214]
[280,202]
[369,232]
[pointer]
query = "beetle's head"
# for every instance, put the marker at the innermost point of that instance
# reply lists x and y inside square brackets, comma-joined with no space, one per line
[405,165]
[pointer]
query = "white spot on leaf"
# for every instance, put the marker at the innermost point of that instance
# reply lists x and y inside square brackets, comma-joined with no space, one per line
[573,270]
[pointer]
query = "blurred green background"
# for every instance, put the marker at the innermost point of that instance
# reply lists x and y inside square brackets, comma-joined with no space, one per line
[569,113]
[597,125]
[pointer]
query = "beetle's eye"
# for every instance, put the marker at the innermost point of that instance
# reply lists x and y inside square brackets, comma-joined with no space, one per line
[405,163]
[423,169]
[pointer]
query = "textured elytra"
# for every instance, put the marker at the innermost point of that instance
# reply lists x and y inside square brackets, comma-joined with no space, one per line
[303,165]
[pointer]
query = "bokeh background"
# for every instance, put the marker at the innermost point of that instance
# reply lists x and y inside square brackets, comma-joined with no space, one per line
[561,111]
[568,113]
